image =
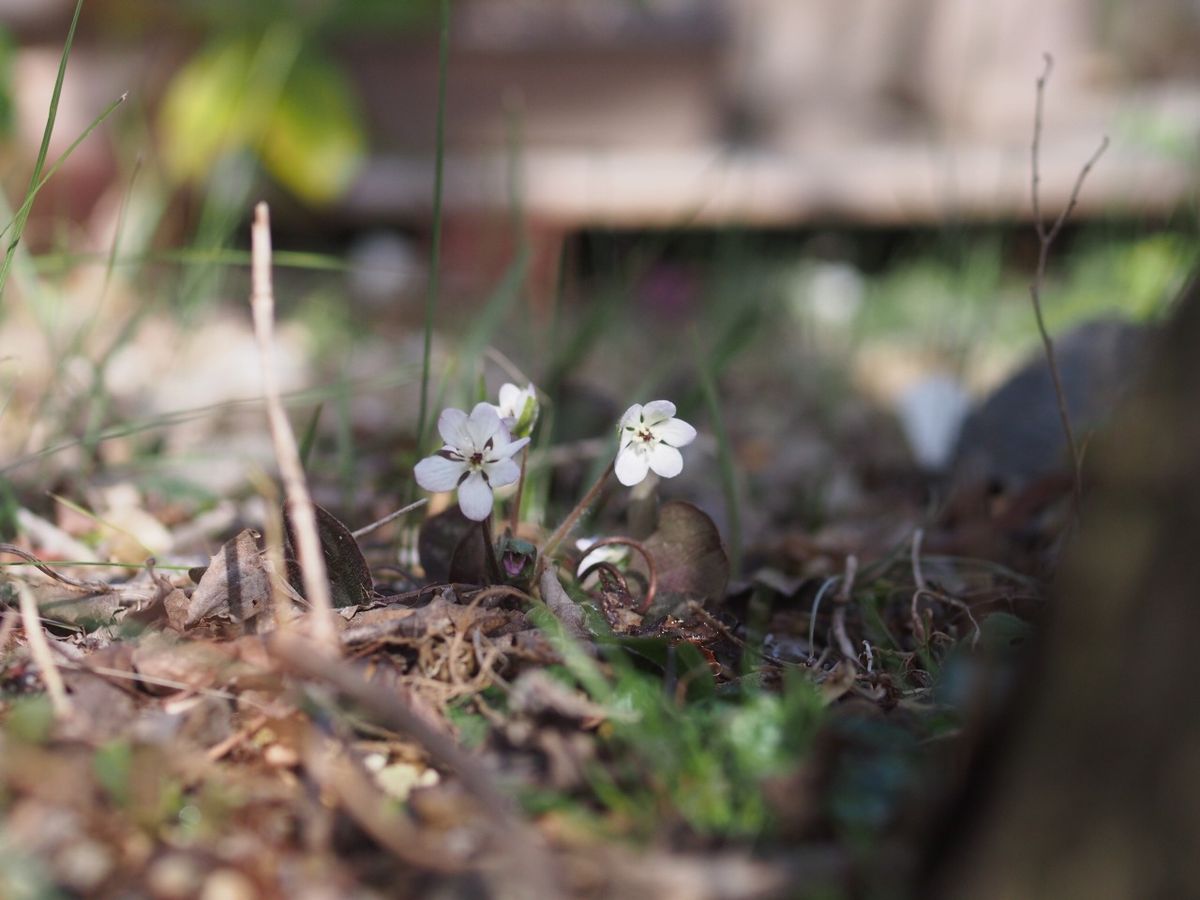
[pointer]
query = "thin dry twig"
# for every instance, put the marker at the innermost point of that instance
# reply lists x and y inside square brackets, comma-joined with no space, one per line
[920,582]
[924,590]
[291,469]
[243,734]
[390,517]
[1046,238]
[651,570]
[839,610]
[98,587]
[39,647]
[812,615]
[564,529]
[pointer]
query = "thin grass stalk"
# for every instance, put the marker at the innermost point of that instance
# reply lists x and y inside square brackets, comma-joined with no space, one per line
[435,246]
[728,466]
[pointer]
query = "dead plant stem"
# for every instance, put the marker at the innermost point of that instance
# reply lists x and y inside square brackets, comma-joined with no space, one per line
[291,470]
[39,648]
[1046,237]
[572,518]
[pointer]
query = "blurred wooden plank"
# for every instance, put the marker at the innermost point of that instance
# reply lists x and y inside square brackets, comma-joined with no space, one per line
[894,182]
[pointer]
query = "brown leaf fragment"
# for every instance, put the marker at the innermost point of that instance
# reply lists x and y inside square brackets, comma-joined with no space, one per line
[177,605]
[237,582]
[439,539]
[439,616]
[689,557]
[103,709]
[564,608]
[469,564]
[168,664]
[350,581]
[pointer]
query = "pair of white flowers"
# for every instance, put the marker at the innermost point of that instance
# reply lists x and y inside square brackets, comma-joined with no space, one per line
[478,453]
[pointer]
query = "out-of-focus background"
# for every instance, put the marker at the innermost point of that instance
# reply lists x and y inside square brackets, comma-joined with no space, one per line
[819,209]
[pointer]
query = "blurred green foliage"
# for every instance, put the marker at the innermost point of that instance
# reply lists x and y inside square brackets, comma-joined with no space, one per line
[278,97]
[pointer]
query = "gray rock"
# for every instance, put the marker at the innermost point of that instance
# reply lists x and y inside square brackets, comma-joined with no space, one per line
[1015,435]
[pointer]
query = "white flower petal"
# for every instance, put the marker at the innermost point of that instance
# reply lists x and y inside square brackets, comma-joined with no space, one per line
[666,461]
[675,432]
[506,450]
[511,400]
[482,425]
[436,473]
[502,472]
[450,427]
[631,417]
[475,497]
[505,419]
[631,466]
[658,411]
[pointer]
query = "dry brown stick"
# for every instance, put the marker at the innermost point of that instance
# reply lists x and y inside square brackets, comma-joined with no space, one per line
[1046,237]
[572,518]
[291,470]
[98,587]
[524,846]
[39,647]
[220,749]
[390,517]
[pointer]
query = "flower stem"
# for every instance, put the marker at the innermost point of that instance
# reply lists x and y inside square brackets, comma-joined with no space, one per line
[572,518]
[514,514]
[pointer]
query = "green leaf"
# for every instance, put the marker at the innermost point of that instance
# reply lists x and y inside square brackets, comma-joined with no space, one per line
[30,719]
[681,660]
[203,112]
[113,767]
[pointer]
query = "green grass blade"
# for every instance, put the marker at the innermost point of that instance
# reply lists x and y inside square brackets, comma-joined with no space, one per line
[728,466]
[35,189]
[44,149]
[57,263]
[309,440]
[435,251]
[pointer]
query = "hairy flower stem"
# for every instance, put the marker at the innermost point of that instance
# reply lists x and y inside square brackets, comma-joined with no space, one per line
[572,518]
[514,514]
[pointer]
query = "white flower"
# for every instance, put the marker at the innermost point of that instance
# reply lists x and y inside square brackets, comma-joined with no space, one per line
[518,409]
[476,458]
[650,435]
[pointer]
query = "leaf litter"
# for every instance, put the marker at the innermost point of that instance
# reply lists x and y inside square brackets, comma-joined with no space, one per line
[207,746]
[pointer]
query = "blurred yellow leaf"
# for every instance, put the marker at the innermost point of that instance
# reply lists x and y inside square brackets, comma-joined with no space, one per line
[203,112]
[299,114]
[314,143]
